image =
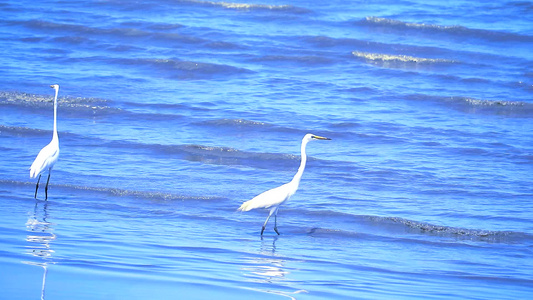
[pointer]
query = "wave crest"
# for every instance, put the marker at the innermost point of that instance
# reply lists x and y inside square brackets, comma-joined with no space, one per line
[38,101]
[396,226]
[455,30]
[498,107]
[249,6]
[397,23]
[186,69]
[236,122]
[398,58]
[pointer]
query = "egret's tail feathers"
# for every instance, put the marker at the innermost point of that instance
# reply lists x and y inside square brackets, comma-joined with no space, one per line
[36,169]
[245,206]
[33,172]
[37,166]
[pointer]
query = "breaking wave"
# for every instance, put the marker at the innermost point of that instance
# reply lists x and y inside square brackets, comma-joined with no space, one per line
[401,24]
[455,30]
[39,101]
[116,192]
[397,226]
[497,107]
[427,228]
[249,6]
[236,122]
[398,58]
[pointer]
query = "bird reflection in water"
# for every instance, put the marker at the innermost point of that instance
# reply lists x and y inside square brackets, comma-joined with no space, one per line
[40,236]
[268,268]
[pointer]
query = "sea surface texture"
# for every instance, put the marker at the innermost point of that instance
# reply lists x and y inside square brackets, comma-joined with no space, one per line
[172,113]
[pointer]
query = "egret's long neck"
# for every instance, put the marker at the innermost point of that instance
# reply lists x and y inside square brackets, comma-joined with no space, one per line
[301,169]
[55,116]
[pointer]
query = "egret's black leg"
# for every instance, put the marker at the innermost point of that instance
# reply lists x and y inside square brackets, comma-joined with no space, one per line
[46,188]
[37,186]
[265,224]
[276,222]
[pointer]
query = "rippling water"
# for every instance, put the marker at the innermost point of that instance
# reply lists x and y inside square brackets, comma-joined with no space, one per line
[172,113]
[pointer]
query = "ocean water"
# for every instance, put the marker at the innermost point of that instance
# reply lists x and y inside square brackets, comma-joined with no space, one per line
[173,112]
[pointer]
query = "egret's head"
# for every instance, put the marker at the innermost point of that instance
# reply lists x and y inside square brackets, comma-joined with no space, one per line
[55,87]
[310,137]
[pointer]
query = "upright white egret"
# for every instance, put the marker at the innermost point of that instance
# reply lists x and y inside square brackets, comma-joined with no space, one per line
[273,198]
[47,157]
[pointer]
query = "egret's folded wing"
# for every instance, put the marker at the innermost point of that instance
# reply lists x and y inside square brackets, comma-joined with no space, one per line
[45,159]
[267,199]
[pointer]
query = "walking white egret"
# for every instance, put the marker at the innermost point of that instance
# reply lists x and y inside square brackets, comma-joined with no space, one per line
[273,198]
[47,157]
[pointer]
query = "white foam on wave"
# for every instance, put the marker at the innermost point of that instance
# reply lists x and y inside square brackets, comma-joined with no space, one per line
[250,6]
[392,22]
[26,99]
[398,58]
[448,29]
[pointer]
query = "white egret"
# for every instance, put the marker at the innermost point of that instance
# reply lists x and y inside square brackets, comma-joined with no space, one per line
[273,198]
[47,157]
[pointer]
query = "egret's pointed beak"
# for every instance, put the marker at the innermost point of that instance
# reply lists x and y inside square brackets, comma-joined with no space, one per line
[52,86]
[320,137]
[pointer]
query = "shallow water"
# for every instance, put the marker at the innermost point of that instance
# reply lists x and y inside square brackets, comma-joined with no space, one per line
[172,113]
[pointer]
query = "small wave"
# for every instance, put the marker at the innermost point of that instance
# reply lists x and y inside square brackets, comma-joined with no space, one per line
[345,125]
[427,228]
[156,26]
[398,224]
[477,102]
[307,60]
[250,7]
[139,194]
[391,61]
[325,232]
[252,125]
[185,69]
[76,40]
[211,149]
[473,105]
[191,152]
[327,42]
[525,6]
[399,58]
[212,154]
[81,29]
[401,24]
[22,131]
[232,156]
[236,123]
[71,104]
[121,192]
[82,34]
[455,30]
[498,107]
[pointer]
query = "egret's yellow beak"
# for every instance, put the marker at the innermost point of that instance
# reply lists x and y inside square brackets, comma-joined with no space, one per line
[52,86]
[320,137]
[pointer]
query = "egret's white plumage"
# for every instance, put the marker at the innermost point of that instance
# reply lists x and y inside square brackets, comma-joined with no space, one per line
[47,157]
[273,198]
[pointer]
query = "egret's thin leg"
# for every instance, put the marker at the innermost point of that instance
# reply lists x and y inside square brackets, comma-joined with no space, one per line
[46,188]
[276,222]
[37,186]
[264,225]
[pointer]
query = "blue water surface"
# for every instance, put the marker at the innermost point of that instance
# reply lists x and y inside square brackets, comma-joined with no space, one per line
[172,113]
